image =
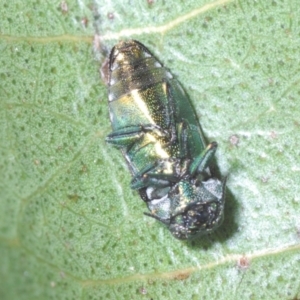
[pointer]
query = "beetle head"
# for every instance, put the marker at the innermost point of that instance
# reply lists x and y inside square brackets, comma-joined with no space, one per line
[197,209]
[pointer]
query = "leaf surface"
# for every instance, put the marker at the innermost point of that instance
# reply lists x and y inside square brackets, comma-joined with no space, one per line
[71,228]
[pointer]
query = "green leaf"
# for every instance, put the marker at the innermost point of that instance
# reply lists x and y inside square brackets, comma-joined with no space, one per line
[71,228]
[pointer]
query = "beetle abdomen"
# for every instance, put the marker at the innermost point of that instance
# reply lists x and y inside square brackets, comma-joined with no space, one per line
[139,95]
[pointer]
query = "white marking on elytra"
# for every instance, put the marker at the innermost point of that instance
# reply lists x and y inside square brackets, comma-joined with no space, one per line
[146,54]
[157,201]
[169,74]
[111,116]
[111,97]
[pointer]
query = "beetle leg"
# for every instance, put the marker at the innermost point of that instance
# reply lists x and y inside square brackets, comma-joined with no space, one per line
[127,136]
[152,176]
[202,161]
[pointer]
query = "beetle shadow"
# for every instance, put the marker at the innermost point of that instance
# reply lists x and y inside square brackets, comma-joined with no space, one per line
[229,226]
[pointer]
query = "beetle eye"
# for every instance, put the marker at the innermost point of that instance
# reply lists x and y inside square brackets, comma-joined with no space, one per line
[198,219]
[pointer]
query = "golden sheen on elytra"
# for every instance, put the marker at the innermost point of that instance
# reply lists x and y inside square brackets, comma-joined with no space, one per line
[156,129]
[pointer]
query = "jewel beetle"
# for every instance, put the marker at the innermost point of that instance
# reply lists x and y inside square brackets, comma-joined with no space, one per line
[156,129]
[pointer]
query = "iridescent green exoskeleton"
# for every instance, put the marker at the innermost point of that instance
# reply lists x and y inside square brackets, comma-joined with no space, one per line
[158,133]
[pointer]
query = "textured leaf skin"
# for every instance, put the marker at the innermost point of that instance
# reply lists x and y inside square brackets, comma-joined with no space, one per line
[71,227]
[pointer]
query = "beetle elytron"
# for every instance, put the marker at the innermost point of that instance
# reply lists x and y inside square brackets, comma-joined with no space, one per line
[157,131]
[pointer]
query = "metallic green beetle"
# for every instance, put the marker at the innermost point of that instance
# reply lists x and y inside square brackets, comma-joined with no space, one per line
[157,131]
